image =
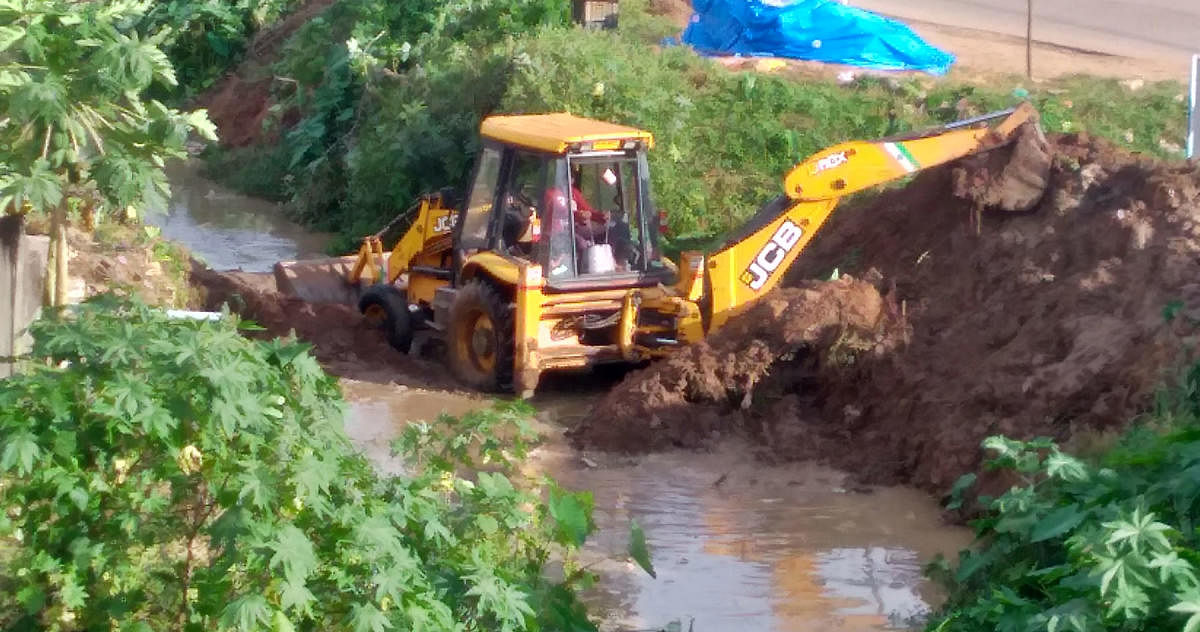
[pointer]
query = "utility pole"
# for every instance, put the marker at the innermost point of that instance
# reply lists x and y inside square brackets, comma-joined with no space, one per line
[1029,39]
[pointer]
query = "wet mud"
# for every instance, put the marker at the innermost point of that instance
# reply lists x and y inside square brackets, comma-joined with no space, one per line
[343,341]
[711,389]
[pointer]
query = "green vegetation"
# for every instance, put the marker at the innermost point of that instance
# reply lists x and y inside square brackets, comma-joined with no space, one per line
[79,134]
[203,38]
[72,80]
[159,474]
[391,104]
[1109,543]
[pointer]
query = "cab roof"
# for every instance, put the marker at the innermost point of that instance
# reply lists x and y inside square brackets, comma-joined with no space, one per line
[558,132]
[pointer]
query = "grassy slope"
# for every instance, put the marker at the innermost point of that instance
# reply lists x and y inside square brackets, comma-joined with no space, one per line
[725,137]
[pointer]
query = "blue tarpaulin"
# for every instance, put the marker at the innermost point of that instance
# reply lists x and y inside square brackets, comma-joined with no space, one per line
[819,30]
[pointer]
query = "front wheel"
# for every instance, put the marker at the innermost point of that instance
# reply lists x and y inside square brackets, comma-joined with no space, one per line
[387,307]
[481,337]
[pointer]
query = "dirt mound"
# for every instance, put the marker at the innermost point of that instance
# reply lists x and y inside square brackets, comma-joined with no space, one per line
[1046,323]
[1041,324]
[701,391]
[342,340]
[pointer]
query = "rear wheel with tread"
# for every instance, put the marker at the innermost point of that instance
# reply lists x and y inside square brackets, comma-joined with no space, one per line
[480,337]
[387,307]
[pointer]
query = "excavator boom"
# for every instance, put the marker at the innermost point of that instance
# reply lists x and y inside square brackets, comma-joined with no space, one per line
[754,259]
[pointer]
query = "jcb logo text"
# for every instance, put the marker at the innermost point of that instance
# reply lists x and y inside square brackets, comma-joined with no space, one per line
[830,162]
[444,223]
[772,255]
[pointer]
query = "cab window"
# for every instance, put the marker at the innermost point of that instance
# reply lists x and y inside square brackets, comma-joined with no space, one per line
[478,210]
[521,207]
[609,228]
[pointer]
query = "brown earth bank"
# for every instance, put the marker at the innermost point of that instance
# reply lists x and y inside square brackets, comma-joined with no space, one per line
[720,385]
[342,339]
[126,259]
[1048,323]
[239,104]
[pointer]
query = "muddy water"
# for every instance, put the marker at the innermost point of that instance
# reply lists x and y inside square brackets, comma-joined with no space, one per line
[227,230]
[737,545]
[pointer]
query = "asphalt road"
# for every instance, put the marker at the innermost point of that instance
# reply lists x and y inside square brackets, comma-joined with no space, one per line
[1161,29]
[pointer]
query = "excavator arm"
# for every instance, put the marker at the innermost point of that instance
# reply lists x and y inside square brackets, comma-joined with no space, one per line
[754,259]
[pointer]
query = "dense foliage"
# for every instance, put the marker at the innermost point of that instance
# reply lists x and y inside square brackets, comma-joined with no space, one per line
[1079,545]
[77,124]
[415,77]
[159,474]
[391,105]
[203,38]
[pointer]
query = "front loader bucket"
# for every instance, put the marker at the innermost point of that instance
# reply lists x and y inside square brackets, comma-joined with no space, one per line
[318,280]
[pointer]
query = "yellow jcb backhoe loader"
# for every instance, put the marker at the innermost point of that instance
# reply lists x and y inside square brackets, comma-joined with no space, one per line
[551,260]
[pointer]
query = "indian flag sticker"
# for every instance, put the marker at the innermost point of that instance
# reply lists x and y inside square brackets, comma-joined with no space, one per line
[901,155]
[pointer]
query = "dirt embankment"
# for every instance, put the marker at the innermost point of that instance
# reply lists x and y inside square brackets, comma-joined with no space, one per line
[239,104]
[343,341]
[714,387]
[1044,323]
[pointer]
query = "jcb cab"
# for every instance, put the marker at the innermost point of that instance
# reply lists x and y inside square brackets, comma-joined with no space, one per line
[551,259]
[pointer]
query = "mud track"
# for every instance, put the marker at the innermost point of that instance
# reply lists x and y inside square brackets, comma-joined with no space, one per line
[344,343]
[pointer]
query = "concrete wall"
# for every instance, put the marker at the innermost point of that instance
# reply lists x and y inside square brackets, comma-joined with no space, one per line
[22,274]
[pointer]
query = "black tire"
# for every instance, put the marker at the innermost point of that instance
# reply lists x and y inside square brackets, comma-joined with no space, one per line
[480,337]
[388,306]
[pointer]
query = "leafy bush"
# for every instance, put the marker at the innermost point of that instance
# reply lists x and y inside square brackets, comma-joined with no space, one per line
[401,83]
[203,38]
[1081,546]
[73,84]
[159,474]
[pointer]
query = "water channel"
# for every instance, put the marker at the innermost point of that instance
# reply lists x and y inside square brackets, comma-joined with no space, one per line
[738,545]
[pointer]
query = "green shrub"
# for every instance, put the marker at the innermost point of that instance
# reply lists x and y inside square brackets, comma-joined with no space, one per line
[159,474]
[389,93]
[1111,545]
[204,38]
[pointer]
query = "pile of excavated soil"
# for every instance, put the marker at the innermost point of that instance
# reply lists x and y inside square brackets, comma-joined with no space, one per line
[702,392]
[1046,323]
[342,340]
